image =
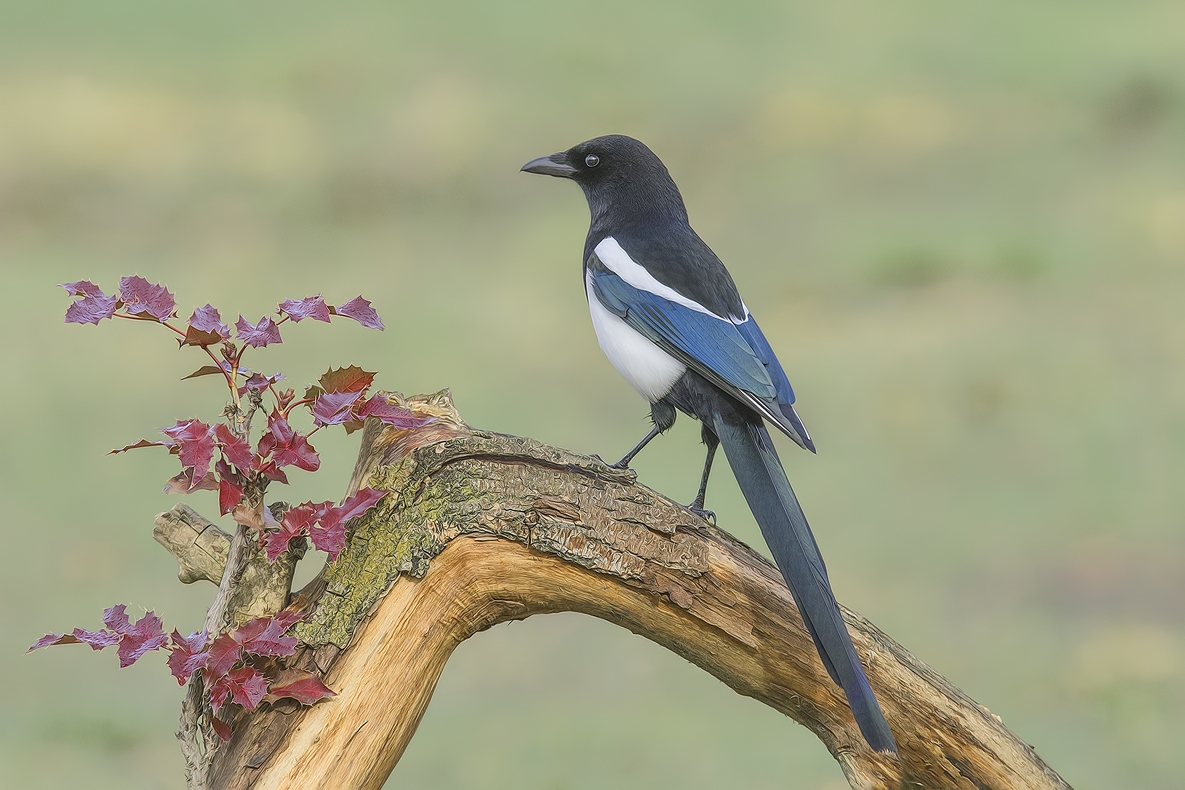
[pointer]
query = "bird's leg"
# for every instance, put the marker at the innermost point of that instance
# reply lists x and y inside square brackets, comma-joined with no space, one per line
[663,414]
[697,507]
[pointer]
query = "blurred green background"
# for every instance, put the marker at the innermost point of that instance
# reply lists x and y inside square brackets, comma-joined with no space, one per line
[962,227]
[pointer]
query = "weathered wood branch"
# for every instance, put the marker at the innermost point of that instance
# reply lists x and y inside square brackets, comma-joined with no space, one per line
[481,528]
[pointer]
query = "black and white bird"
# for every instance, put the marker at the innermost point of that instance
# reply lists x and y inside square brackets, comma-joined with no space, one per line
[668,316]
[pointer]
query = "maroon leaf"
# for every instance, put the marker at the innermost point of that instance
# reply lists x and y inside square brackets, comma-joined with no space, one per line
[288,618]
[183,483]
[264,636]
[329,535]
[219,691]
[116,619]
[360,310]
[269,470]
[207,370]
[94,305]
[304,687]
[334,408]
[206,319]
[147,634]
[82,288]
[224,654]
[391,414]
[244,685]
[286,446]
[221,728]
[196,441]
[53,639]
[96,639]
[310,307]
[297,521]
[140,296]
[329,538]
[354,506]
[187,655]
[276,543]
[139,444]
[236,450]
[349,379]
[259,382]
[196,337]
[230,494]
[265,333]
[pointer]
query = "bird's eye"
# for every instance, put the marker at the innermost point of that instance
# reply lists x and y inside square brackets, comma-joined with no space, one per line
[592,160]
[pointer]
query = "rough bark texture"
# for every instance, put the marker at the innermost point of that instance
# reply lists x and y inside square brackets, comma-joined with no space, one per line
[481,528]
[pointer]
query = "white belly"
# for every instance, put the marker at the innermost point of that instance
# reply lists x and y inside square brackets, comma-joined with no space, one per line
[649,370]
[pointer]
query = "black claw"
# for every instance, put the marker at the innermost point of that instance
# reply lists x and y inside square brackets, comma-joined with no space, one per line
[706,515]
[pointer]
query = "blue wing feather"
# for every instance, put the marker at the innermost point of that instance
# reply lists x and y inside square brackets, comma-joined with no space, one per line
[752,333]
[737,358]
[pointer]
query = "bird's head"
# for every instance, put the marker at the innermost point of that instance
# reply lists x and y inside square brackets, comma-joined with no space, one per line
[619,176]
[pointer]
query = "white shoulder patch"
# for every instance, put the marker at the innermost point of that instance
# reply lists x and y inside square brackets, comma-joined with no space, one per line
[618,261]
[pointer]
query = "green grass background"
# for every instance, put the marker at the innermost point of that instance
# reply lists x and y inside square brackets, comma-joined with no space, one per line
[962,227]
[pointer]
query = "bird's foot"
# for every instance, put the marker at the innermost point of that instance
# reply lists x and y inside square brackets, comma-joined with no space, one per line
[624,463]
[706,515]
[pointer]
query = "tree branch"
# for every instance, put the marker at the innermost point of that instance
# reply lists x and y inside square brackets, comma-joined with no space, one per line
[481,528]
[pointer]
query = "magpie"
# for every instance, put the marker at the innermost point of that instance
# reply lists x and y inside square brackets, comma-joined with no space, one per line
[670,320]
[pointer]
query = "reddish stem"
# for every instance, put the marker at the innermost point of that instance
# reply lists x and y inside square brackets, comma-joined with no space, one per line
[294,404]
[150,319]
[229,382]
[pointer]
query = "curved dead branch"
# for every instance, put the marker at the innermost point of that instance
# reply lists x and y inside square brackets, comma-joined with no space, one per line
[480,528]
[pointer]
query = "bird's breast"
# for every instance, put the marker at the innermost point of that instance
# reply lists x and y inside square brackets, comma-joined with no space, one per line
[649,370]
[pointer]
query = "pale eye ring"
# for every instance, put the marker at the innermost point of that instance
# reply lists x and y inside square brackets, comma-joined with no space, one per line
[592,160]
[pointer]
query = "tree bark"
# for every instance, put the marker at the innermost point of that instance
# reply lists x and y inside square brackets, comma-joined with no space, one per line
[480,528]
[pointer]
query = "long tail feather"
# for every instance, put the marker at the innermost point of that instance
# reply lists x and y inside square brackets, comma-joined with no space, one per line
[765,486]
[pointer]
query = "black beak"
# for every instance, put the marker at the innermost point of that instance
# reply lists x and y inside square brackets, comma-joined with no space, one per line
[553,165]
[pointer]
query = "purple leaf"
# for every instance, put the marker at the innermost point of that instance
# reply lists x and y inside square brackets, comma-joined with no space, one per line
[82,288]
[221,729]
[147,634]
[286,446]
[236,450]
[360,310]
[391,414]
[243,685]
[296,521]
[139,444]
[116,619]
[348,379]
[300,685]
[94,305]
[313,307]
[187,655]
[207,319]
[53,639]
[334,408]
[183,483]
[265,333]
[96,639]
[224,654]
[264,636]
[196,441]
[209,370]
[140,296]
[205,328]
